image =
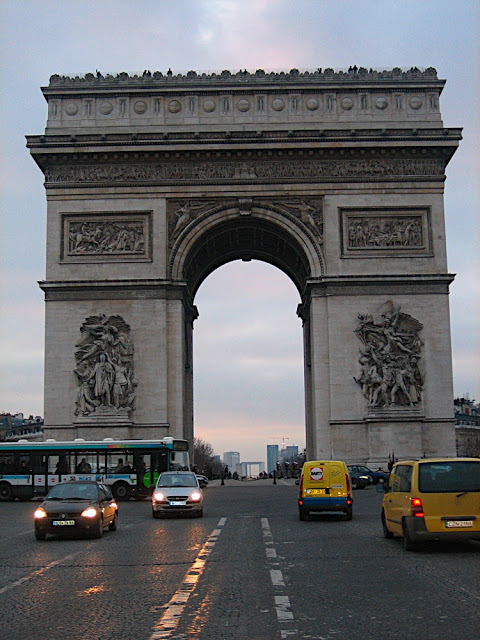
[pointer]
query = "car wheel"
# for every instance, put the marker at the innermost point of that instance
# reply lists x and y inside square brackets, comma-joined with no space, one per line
[349,514]
[39,535]
[408,543]
[5,492]
[386,533]
[303,514]
[113,525]
[98,531]
[200,513]
[121,491]
[156,514]
[355,483]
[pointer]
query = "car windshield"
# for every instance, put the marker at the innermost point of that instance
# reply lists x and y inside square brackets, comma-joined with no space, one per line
[449,477]
[177,480]
[73,492]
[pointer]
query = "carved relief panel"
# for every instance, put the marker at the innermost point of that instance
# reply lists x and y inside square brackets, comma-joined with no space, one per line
[100,237]
[385,232]
[390,355]
[104,367]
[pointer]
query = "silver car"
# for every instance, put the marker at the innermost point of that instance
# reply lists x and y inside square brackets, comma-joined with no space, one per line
[177,492]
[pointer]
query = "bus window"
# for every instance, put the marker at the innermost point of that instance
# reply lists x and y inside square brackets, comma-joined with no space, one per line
[86,464]
[60,464]
[8,465]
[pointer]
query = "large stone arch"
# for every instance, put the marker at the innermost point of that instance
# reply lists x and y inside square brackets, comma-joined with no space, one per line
[336,178]
[267,233]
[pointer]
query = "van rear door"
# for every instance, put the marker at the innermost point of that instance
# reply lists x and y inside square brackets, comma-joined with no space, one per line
[450,494]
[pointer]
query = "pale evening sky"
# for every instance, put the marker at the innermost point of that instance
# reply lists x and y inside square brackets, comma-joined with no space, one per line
[248,358]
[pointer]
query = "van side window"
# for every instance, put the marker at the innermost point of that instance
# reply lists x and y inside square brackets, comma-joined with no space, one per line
[403,474]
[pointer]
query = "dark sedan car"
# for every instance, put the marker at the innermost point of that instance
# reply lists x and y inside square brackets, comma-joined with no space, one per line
[361,469]
[359,479]
[76,507]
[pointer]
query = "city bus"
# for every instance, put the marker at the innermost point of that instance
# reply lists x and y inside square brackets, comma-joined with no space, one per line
[129,467]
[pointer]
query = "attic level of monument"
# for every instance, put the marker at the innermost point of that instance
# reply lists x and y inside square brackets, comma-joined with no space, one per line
[243,101]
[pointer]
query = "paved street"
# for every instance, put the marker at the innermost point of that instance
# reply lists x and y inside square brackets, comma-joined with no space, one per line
[248,570]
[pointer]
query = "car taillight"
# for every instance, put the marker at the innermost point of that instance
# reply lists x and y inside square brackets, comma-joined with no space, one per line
[349,501]
[417,508]
[300,488]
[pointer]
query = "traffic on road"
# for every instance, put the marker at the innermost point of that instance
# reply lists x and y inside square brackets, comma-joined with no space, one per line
[248,569]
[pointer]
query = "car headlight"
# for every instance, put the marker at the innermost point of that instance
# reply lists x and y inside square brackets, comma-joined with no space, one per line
[40,513]
[158,496]
[90,512]
[195,496]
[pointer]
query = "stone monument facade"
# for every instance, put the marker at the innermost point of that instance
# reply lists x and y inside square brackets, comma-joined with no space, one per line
[336,178]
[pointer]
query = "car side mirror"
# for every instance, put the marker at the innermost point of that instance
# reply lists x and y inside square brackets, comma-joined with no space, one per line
[297,481]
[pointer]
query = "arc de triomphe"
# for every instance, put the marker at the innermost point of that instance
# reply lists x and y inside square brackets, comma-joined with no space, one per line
[336,178]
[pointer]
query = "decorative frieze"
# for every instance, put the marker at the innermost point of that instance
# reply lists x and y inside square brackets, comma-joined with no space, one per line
[262,171]
[106,236]
[377,232]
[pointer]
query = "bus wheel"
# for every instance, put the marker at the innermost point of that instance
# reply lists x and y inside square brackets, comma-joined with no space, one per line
[5,492]
[121,491]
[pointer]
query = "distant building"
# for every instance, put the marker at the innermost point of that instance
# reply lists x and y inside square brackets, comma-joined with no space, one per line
[289,453]
[467,427]
[17,427]
[231,459]
[272,457]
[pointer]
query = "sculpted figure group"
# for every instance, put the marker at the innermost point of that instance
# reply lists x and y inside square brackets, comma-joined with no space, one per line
[400,231]
[104,366]
[103,237]
[389,372]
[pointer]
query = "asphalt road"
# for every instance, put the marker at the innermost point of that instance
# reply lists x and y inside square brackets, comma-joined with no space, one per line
[247,570]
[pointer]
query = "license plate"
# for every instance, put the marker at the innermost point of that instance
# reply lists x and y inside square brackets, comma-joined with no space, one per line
[177,503]
[458,524]
[63,523]
[317,492]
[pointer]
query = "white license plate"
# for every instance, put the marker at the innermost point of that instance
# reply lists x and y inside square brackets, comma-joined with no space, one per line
[458,524]
[177,503]
[63,523]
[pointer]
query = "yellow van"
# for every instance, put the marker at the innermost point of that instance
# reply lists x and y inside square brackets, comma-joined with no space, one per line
[432,499]
[325,486]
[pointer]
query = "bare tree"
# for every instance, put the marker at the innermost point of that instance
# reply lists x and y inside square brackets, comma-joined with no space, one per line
[203,456]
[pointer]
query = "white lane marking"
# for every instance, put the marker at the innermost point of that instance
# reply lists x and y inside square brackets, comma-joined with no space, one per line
[173,610]
[277,578]
[282,602]
[282,605]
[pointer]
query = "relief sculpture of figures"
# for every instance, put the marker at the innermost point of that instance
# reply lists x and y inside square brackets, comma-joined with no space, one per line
[389,371]
[104,237]
[104,367]
[310,213]
[375,232]
[186,213]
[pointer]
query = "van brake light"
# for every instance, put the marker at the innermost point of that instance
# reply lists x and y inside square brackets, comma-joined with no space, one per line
[347,480]
[417,508]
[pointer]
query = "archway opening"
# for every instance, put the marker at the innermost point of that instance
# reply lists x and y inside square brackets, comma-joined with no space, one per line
[248,361]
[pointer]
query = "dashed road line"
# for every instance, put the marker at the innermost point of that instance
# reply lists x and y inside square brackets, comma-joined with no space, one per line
[173,610]
[282,602]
